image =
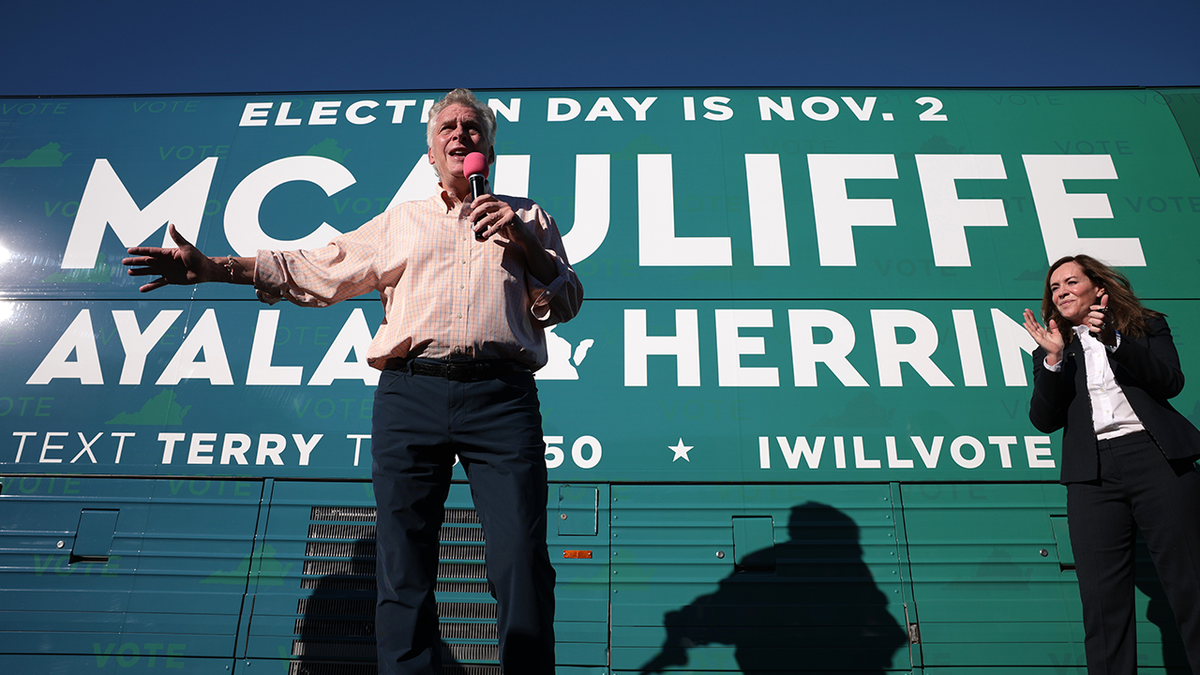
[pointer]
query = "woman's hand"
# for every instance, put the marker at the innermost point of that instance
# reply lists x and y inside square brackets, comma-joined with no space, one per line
[1097,322]
[1048,338]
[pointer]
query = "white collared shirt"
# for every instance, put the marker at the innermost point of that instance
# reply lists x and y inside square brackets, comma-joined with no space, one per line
[1112,416]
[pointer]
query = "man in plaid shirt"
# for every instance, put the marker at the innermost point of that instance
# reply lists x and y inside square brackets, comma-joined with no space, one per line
[468,287]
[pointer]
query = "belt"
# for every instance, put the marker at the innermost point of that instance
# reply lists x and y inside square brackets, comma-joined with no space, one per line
[458,371]
[1127,439]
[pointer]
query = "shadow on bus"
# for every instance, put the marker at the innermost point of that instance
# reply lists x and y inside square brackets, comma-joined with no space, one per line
[810,600]
[335,632]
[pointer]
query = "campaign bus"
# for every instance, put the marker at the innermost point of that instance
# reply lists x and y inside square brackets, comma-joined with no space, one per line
[788,431]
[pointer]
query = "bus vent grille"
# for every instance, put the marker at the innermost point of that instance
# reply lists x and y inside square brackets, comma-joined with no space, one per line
[466,610]
[465,651]
[461,534]
[460,552]
[326,649]
[444,586]
[366,550]
[331,531]
[461,517]
[461,571]
[339,626]
[328,668]
[335,625]
[327,606]
[342,567]
[363,548]
[336,584]
[325,668]
[344,513]
[469,631]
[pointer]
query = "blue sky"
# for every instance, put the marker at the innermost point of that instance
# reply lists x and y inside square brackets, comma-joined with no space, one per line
[55,47]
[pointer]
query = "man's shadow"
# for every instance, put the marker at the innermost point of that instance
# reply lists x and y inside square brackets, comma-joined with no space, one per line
[809,602]
[335,633]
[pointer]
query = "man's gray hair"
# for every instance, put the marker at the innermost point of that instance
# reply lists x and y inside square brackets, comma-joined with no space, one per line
[467,98]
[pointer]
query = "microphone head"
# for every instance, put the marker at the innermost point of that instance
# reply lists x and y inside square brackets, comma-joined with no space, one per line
[475,163]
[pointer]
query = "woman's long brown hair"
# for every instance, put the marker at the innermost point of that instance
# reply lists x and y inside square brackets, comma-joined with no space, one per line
[1125,311]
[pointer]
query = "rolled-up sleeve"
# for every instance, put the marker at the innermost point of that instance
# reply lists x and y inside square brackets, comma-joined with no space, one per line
[559,301]
[319,277]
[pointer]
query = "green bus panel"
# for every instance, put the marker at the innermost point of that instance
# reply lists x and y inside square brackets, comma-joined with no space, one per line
[821,589]
[130,658]
[169,576]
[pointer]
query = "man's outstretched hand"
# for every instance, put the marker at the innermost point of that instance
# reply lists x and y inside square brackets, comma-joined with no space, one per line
[182,266]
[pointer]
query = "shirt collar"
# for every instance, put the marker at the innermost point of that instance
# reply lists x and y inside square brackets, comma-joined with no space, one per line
[447,200]
[1091,342]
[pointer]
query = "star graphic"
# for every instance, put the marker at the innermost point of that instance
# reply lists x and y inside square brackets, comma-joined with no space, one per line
[680,450]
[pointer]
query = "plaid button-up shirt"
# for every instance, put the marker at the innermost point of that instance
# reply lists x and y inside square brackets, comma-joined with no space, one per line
[444,294]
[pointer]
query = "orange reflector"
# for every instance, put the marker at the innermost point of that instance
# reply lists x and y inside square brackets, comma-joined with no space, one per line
[577,554]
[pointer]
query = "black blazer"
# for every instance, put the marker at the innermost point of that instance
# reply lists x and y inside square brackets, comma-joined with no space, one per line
[1149,373]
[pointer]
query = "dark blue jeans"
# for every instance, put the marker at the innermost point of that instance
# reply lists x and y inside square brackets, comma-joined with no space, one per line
[495,428]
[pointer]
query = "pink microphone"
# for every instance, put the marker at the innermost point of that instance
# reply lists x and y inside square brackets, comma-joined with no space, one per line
[475,166]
